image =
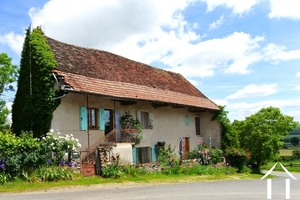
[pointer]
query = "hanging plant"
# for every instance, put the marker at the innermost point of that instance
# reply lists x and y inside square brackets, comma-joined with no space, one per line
[131,125]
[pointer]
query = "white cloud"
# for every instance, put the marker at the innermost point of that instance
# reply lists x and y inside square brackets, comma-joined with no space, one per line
[238,7]
[233,53]
[253,90]
[277,53]
[297,87]
[14,41]
[217,23]
[285,9]
[298,74]
[241,110]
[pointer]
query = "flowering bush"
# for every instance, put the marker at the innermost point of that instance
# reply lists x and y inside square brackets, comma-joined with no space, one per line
[24,154]
[237,157]
[206,154]
[58,144]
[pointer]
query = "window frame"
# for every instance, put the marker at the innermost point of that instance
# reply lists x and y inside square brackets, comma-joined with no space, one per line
[198,126]
[92,118]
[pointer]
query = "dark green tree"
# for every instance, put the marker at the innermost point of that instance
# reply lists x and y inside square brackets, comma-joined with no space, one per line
[295,141]
[33,105]
[8,75]
[261,132]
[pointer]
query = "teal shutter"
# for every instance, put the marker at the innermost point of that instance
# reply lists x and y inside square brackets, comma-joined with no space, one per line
[134,155]
[83,118]
[153,154]
[101,119]
[187,121]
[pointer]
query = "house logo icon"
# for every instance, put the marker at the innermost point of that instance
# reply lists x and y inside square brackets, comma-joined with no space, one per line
[287,182]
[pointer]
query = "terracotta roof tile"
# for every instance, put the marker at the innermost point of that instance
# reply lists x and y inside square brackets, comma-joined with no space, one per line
[104,73]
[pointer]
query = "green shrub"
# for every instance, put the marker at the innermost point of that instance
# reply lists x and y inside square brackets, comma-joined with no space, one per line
[167,155]
[111,171]
[237,157]
[24,153]
[296,154]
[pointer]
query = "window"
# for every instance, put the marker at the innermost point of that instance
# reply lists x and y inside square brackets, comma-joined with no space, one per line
[92,118]
[143,155]
[197,125]
[95,118]
[108,121]
[146,119]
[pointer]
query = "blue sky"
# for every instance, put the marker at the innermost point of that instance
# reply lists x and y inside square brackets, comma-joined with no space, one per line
[242,54]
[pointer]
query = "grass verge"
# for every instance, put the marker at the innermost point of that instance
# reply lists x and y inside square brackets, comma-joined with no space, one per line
[124,181]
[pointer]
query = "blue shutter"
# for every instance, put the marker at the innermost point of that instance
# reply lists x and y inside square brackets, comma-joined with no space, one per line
[187,121]
[153,154]
[134,155]
[101,119]
[83,118]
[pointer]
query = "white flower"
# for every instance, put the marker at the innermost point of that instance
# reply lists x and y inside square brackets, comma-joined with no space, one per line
[43,138]
[79,145]
[71,135]
[51,130]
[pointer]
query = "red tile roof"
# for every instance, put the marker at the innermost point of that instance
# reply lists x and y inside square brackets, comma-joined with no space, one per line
[99,72]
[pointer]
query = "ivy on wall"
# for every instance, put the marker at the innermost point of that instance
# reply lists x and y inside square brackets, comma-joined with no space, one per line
[34,105]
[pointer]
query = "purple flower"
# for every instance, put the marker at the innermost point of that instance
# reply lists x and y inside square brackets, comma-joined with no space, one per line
[1,166]
[69,164]
[75,165]
[62,163]
[48,162]
[2,160]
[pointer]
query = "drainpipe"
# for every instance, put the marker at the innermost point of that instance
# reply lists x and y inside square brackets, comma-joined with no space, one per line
[65,88]
[59,97]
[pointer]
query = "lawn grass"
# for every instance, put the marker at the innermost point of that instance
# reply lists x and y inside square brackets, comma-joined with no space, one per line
[153,179]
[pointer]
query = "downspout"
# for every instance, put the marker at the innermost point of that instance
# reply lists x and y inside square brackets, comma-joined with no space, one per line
[62,96]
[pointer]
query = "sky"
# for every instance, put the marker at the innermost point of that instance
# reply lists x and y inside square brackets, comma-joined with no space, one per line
[244,55]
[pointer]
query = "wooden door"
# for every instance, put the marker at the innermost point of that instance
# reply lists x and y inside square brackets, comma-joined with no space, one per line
[186,147]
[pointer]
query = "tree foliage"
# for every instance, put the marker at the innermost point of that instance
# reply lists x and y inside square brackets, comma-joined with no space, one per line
[33,106]
[228,134]
[261,132]
[8,75]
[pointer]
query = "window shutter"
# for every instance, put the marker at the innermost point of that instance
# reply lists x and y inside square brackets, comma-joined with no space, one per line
[139,116]
[153,154]
[134,155]
[101,119]
[187,121]
[150,121]
[83,118]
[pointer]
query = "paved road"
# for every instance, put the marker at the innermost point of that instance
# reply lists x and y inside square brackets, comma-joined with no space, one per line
[214,190]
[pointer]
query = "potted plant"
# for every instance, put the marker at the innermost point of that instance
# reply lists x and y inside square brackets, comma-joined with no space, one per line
[131,125]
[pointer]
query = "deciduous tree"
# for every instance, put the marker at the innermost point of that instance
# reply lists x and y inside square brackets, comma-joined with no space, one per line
[261,132]
[8,75]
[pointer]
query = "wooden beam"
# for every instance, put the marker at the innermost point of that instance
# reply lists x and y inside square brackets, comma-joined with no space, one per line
[128,103]
[158,105]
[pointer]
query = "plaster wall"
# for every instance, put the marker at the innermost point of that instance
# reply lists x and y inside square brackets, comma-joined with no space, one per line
[169,124]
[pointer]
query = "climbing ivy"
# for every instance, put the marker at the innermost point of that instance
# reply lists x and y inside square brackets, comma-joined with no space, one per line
[33,105]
